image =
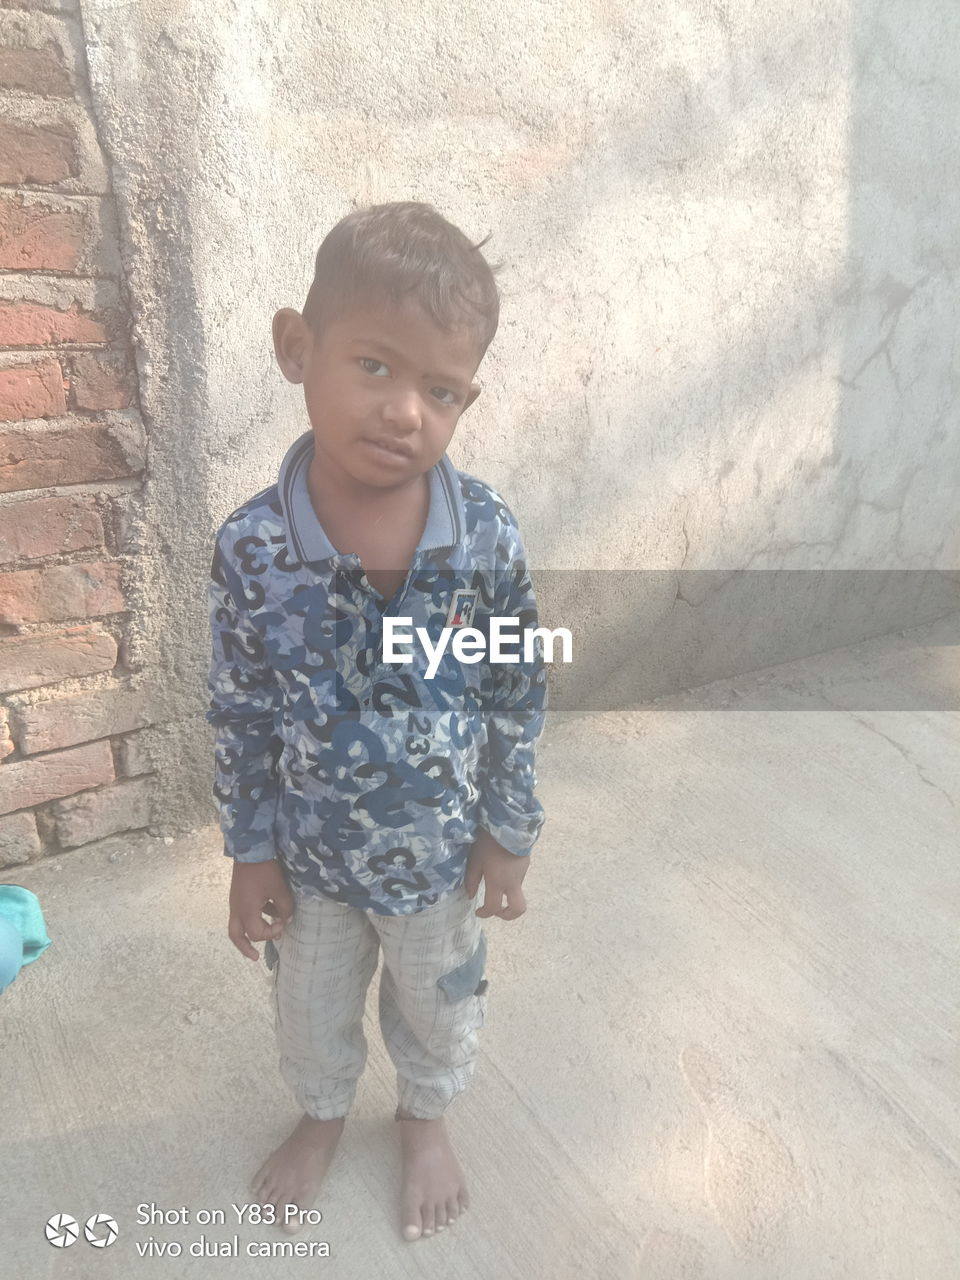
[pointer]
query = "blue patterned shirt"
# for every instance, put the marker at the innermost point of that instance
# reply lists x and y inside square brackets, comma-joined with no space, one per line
[366,779]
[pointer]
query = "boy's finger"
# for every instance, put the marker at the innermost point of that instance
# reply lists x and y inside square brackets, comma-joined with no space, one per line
[259,930]
[471,881]
[238,938]
[492,902]
[285,905]
[516,905]
[279,916]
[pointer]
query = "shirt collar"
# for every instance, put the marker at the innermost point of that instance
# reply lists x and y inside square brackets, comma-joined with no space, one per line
[446,518]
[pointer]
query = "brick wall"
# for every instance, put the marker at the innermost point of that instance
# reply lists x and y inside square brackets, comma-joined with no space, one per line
[72,459]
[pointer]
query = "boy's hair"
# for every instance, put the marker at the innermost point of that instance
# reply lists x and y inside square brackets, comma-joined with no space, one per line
[390,250]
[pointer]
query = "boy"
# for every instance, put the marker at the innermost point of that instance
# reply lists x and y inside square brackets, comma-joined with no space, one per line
[363,800]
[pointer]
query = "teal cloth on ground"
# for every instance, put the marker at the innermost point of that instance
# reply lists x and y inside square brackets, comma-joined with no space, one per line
[22,909]
[11,953]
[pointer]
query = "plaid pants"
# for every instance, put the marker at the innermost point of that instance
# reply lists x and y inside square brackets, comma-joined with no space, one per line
[432,1001]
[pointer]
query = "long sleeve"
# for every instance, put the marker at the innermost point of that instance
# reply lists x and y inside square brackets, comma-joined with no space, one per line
[508,808]
[244,705]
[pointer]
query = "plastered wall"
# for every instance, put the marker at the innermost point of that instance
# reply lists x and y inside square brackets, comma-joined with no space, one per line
[728,336]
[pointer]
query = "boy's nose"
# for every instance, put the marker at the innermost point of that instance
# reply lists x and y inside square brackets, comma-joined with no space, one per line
[403,410]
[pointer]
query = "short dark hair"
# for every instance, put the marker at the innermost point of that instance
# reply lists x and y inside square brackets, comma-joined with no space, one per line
[390,250]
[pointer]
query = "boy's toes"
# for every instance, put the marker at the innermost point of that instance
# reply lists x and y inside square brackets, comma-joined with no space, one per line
[429,1220]
[453,1211]
[412,1220]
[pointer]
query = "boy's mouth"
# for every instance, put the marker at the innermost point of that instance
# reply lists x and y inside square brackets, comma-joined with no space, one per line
[391,448]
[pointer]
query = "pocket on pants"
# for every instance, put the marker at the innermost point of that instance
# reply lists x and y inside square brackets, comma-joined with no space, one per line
[466,978]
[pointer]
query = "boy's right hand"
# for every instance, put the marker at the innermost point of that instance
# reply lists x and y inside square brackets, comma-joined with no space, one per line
[258,887]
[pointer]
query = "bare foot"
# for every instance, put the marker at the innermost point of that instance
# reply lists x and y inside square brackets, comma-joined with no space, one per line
[293,1174]
[434,1192]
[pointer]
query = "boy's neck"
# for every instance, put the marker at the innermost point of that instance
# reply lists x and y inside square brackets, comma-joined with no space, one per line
[339,504]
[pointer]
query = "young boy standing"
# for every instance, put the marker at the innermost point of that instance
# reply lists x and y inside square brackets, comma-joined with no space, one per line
[363,800]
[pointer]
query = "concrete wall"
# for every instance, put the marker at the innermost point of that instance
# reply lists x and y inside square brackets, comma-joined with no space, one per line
[728,337]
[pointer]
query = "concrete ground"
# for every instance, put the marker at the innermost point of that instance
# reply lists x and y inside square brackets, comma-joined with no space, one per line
[722,1042]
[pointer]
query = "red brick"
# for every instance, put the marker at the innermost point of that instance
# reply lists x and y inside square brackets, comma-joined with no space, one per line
[34,70]
[122,807]
[37,237]
[101,382]
[47,526]
[27,662]
[32,391]
[62,722]
[57,592]
[31,324]
[37,153]
[34,459]
[7,745]
[19,841]
[62,773]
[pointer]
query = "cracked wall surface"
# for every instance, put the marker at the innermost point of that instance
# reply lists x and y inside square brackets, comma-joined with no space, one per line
[722,401]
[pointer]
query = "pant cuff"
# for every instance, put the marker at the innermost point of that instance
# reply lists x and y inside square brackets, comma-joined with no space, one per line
[333,1108]
[423,1102]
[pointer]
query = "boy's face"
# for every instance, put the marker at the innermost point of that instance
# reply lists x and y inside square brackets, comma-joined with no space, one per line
[384,387]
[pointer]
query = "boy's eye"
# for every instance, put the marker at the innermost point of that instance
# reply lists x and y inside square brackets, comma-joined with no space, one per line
[366,360]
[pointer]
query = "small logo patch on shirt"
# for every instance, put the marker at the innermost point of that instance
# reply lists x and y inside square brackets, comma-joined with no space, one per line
[462,607]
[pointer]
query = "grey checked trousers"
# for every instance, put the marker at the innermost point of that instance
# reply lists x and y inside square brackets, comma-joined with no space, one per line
[431,1007]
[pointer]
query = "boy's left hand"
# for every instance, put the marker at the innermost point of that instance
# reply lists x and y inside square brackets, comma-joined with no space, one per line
[502,873]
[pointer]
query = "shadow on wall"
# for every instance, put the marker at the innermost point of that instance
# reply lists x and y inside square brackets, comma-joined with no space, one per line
[826,376]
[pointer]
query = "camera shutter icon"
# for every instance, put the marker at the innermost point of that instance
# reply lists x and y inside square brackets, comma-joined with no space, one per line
[101,1230]
[62,1230]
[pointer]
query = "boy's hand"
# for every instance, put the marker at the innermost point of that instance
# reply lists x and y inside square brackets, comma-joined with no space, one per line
[502,873]
[258,887]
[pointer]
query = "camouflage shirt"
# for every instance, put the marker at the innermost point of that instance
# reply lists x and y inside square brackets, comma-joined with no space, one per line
[368,780]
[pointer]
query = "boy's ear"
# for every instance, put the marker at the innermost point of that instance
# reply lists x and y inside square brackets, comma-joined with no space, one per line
[291,343]
[471,396]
